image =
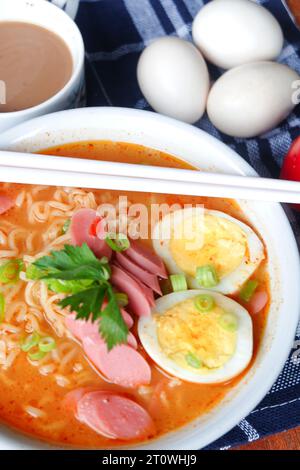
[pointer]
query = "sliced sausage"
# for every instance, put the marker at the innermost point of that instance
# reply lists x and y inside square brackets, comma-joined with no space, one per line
[137,300]
[143,276]
[146,259]
[148,293]
[258,301]
[71,399]
[114,416]
[82,328]
[123,365]
[6,203]
[83,231]
[127,318]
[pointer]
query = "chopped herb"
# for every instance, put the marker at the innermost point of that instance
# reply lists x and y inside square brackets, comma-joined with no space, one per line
[47,344]
[178,282]
[193,360]
[207,276]
[30,342]
[36,354]
[66,226]
[248,290]
[118,242]
[87,278]
[10,271]
[204,302]
[2,308]
[229,322]
[122,299]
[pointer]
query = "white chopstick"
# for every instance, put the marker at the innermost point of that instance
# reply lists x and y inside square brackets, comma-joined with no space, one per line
[75,172]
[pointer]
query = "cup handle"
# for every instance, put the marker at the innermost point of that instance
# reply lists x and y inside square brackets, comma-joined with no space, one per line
[69,6]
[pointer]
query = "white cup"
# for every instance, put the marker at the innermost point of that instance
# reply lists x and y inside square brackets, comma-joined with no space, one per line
[47,15]
[69,6]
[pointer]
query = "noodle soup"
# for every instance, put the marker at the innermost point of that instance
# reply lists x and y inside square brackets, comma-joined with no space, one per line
[53,367]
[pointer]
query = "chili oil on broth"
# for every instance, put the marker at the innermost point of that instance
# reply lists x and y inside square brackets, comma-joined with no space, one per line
[32,393]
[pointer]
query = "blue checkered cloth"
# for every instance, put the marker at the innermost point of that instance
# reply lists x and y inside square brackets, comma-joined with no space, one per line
[115,32]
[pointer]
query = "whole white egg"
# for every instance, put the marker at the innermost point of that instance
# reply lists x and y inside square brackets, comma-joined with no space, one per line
[174,79]
[235,32]
[252,99]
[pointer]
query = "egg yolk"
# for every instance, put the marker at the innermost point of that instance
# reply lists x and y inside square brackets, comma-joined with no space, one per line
[195,340]
[216,241]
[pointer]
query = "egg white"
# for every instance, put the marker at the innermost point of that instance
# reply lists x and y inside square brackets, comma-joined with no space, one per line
[230,283]
[147,330]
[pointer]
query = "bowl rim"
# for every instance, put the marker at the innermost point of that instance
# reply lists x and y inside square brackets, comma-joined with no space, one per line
[64,118]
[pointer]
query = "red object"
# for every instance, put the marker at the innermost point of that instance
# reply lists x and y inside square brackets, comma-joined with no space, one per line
[82,229]
[93,227]
[6,203]
[291,165]
[114,416]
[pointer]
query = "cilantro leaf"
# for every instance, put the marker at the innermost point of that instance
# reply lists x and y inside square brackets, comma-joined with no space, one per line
[112,326]
[86,303]
[58,285]
[68,287]
[76,270]
[73,263]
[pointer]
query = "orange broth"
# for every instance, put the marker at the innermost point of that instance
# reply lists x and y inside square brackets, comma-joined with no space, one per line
[22,385]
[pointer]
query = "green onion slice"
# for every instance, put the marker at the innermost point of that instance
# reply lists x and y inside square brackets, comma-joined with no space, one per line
[193,360]
[47,344]
[118,242]
[229,322]
[207,276]
[66,226]
[30,342]
[105,271]
[204,302]
[178,282]
[2,308]
[248,290]
[122,299]
[36,355]
[9,272]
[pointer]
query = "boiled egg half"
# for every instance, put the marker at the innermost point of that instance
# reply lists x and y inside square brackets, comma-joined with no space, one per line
[198,336]
[195,238]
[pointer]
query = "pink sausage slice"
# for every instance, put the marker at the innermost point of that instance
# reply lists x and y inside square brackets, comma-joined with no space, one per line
[137,300]
[114,416]
[148,293]
[81,329]
[258,302]
[127,318]
[123,365]
[81,231]
[146,259]
[6,203]
[143,276]
[71,399]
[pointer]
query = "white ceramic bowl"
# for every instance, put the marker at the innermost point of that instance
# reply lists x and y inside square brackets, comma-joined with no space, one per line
[52,18]
[205,152]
